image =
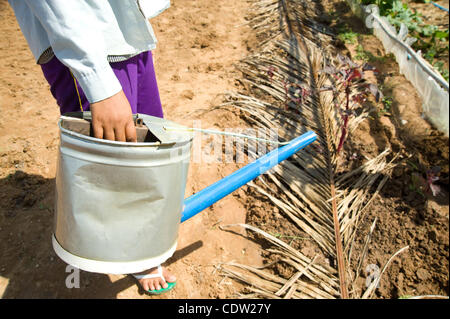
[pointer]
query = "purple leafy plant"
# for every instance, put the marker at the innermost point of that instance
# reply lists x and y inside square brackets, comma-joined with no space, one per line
[426,184]
[293,92]
[432,177]
[350,90]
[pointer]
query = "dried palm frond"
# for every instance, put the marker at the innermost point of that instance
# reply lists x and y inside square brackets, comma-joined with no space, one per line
[323,283]
[284,82]
[271,18]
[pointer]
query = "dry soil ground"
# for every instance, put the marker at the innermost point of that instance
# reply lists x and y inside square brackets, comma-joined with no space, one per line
[406,214]
[198,43]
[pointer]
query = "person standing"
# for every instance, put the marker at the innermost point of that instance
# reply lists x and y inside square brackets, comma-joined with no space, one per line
[96,56]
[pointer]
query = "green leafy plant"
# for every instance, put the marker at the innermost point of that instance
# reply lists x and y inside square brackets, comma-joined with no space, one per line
[439,65]
[384,5]
[430,40]
[387,105]
[348,37]
[366,56]
[361,54]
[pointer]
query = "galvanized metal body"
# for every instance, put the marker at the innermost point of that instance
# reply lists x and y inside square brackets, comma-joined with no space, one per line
[118,205]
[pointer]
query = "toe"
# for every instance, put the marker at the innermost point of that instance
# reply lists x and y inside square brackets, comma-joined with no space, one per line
[157,283]
[144,285]
[169,277]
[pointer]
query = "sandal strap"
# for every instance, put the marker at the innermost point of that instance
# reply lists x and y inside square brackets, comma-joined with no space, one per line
[158,275]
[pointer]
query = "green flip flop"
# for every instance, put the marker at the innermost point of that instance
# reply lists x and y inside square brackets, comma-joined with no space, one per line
[170,286]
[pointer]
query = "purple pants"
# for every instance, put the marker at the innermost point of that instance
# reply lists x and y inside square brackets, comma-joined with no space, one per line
[136,75]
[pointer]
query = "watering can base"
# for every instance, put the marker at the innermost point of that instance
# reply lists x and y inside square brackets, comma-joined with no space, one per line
[108,267]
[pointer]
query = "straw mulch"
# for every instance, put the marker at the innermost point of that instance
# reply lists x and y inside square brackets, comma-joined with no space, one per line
[283,82]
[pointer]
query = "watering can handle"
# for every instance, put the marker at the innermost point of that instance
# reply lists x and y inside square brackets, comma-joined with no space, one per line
[156,129]
[211,194]
[87,115]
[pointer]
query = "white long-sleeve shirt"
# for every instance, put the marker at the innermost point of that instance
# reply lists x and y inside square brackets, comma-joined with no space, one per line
[83,33]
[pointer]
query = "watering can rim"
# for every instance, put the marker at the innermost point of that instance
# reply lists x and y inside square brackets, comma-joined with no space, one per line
[95,140]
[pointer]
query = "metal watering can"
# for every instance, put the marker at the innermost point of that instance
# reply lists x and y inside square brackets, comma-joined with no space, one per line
[119,205]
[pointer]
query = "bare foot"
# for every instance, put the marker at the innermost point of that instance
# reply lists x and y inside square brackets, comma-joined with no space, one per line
[155,283]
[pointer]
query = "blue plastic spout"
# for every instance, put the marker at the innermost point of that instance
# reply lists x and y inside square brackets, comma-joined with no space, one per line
[211,194]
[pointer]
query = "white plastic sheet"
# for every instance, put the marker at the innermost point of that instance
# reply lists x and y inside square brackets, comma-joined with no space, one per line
[430,85]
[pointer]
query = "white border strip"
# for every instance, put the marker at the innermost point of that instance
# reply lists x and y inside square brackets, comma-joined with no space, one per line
[107,267]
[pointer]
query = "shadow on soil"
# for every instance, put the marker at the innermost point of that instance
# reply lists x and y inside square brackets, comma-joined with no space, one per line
[29,266]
